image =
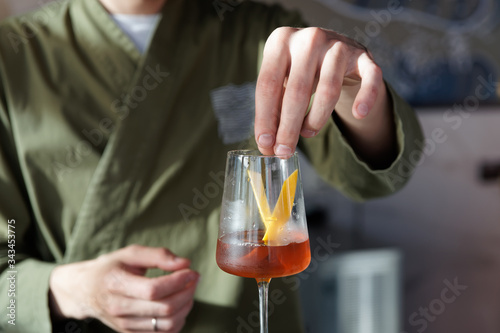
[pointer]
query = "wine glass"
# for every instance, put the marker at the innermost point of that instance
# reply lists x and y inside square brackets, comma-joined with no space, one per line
[263,229]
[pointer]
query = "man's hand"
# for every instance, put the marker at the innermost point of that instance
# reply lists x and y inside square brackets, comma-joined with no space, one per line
[113,289]
[299,62]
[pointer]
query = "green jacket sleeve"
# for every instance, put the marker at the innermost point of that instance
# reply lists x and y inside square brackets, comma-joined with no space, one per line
[338,164]
[24,280]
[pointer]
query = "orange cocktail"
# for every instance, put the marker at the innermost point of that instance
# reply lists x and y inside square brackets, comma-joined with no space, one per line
[237,255]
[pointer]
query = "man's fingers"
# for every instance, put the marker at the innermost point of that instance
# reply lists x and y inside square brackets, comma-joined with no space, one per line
[268,93]
[122,306]
[327,91]
[301,56]
[150,257]
[371,76]
[163,324]
[127,297]
[136,286]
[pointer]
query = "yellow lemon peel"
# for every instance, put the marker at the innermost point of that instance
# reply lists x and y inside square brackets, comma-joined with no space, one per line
[260,195]
[283,209]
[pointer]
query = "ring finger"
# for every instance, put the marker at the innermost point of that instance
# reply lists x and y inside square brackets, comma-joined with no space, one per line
[172,324]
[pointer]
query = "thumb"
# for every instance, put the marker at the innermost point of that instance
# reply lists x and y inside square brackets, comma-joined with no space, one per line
[151,257]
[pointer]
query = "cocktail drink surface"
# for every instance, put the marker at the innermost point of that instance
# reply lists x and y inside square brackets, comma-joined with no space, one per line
[237,255]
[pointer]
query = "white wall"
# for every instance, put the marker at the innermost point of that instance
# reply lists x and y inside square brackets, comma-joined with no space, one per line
[447,221]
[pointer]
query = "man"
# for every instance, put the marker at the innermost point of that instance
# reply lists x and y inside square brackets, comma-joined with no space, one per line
[103,147]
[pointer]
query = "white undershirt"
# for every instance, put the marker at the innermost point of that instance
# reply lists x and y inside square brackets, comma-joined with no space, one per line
[139,28]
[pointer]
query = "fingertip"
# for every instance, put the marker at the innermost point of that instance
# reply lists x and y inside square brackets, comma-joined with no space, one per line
[174,263]
[193,278]
[181,263]
[361,111]
[266,151]
[171,256]
[265,141]
[283,150]
[181,260]
[195,281]
[307,133]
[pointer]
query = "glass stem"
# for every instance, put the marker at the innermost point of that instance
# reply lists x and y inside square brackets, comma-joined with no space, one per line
[263,285]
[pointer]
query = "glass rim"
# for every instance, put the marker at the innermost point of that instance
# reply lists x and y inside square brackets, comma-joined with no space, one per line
[257,154]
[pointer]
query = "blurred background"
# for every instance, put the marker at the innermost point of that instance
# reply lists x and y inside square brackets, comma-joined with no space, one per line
[426,259]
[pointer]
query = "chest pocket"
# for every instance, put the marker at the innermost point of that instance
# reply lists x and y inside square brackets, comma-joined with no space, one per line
[234,107]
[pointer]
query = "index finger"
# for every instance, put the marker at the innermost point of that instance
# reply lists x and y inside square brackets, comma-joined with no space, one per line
[151,257]
[269,90]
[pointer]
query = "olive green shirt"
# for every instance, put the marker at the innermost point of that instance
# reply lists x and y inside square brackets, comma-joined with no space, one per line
[102,147]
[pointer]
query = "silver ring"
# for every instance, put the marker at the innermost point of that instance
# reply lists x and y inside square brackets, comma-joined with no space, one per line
[155,324]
